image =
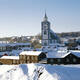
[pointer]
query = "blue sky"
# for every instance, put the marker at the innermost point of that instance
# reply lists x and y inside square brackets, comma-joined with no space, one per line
[23,17]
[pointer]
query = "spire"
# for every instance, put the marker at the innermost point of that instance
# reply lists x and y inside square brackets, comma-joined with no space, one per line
[45,17]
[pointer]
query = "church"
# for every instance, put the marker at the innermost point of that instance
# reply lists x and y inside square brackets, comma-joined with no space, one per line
[49,38]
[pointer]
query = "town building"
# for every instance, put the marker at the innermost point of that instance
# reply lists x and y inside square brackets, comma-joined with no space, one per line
[63,57]
[9,60]
[24,57]
[13,46]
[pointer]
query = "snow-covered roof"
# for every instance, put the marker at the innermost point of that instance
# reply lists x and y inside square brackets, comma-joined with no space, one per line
[62,54]
[78,47]
[75,52]
[9,57]
[31,53]
[13,52]
[3,44]
[57,54]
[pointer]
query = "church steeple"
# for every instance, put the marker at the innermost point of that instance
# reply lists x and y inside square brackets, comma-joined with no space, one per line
[45,17]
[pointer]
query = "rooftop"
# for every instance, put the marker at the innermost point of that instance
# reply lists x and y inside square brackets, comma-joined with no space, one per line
[31,53]
[76,52]
[9,57]
[57,54]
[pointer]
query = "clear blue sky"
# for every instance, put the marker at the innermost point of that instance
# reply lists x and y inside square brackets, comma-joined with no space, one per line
[23,17]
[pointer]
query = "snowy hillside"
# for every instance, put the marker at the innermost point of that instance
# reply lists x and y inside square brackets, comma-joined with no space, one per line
[39,72]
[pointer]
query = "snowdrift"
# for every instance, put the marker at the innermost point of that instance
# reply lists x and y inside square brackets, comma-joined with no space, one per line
[39,72]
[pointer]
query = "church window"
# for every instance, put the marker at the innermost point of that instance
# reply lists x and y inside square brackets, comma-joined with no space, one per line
[45,32]
[50,41]
[45,27]
[45,43]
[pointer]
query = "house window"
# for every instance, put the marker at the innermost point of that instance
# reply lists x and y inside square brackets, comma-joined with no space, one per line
[59,60]
[67,60]
[51,60]
[20,56]
[32,57]
[36,58]
[14,61]
[17,61]
[24,57]
[27,57]
[24,61]
[28,62]
[74,60]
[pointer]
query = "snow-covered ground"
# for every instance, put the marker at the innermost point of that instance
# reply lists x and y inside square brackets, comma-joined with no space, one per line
[39,72]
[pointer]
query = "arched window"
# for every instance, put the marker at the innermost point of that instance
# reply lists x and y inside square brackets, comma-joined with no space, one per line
[45,32]
[50,41]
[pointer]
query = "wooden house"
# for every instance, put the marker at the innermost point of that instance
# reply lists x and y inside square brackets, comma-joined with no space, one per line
[56,57]
[24,57]
[9,60]
[31,56]
[13,46]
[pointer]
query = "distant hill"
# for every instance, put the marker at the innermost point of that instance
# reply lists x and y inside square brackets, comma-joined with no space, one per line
[69,34]
[38,36]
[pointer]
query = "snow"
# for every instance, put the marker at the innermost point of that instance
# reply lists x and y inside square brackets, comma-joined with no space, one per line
[3,44]
[10,57]
[75,52]
[39,72]
[78,47]
[62,53]
[13,52]
[53,33]
[57,54]
[31,53]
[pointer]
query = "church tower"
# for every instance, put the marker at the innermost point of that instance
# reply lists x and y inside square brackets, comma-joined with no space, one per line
[45,26]
[49,38]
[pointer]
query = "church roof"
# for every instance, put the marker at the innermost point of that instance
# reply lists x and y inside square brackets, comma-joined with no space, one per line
[53,35]
[45,17]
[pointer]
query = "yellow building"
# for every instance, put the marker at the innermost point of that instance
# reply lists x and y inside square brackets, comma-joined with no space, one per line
[24,57]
